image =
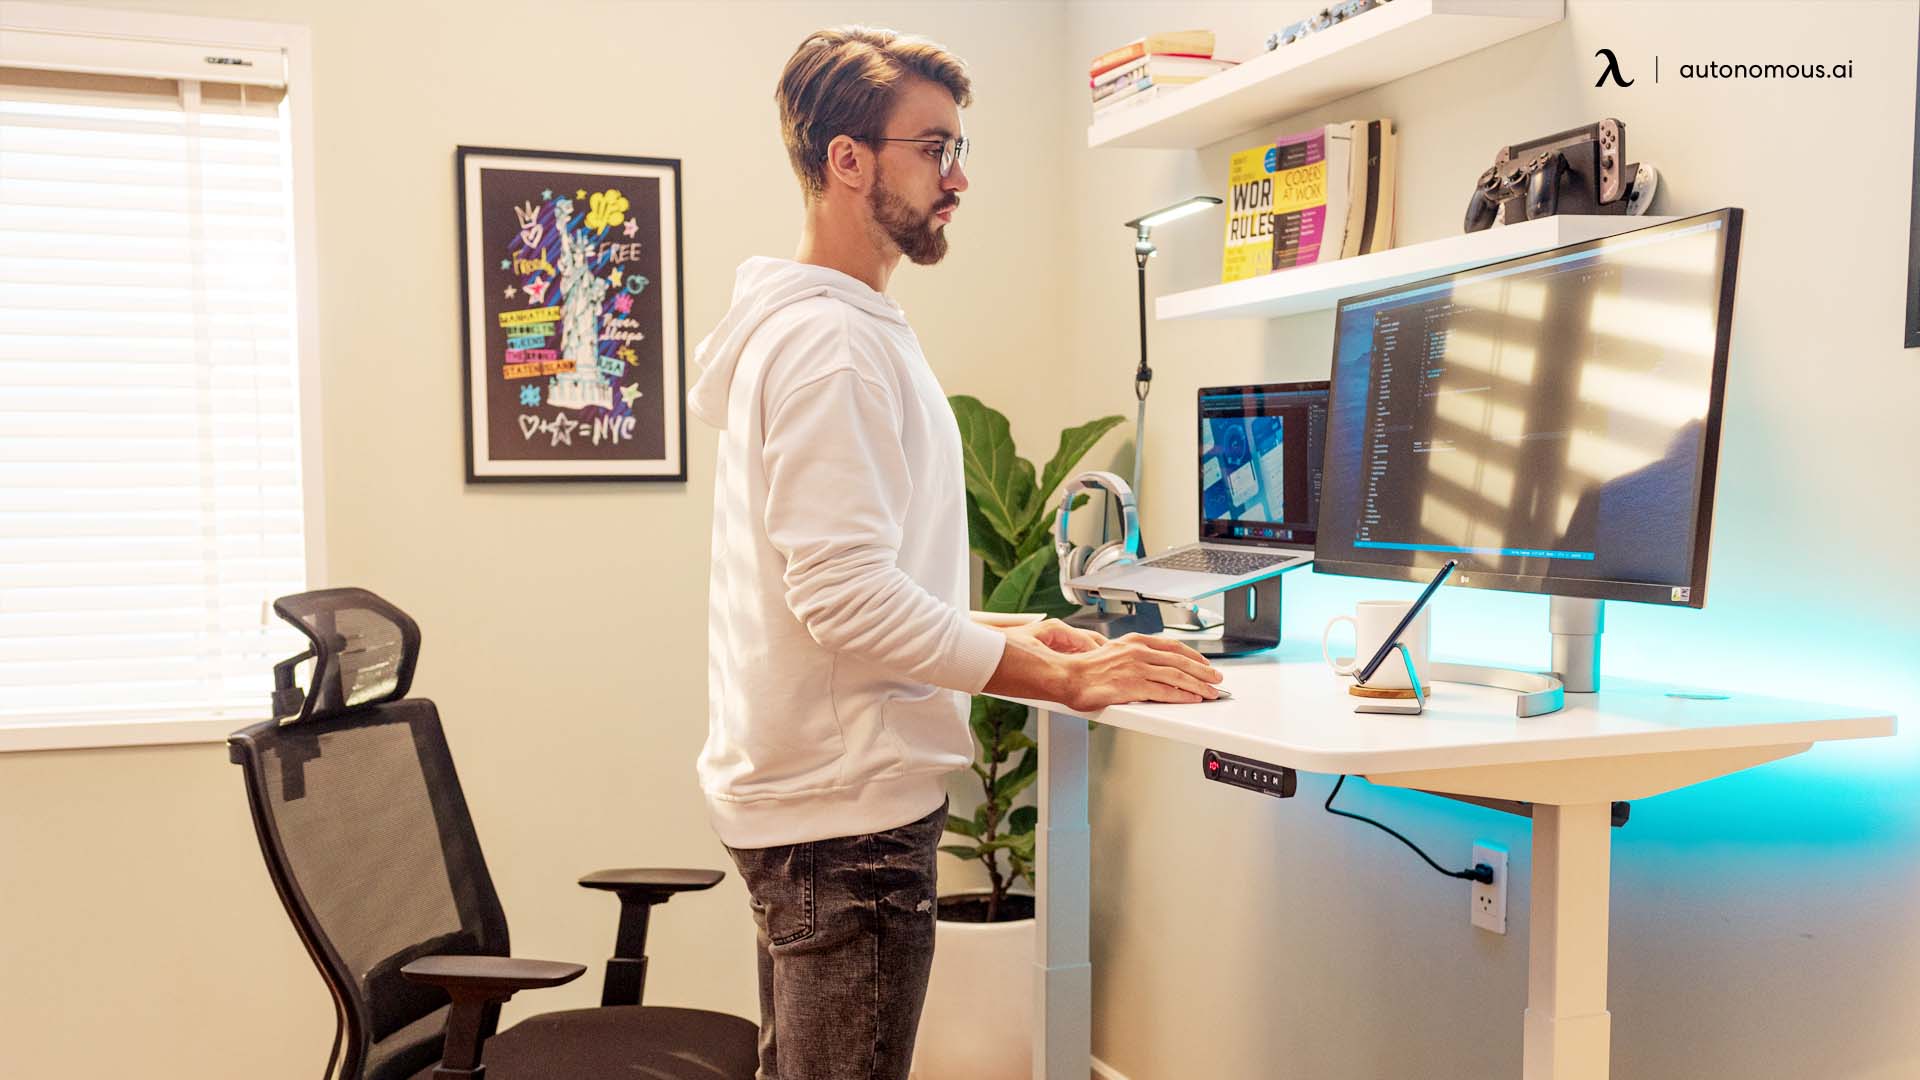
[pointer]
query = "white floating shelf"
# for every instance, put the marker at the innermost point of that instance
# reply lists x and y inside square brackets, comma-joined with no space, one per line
[1322,285]
[1366,51]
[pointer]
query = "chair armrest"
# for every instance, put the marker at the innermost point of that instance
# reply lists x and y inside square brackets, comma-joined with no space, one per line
[639,889]
[477,985]
[661,882]
[500,976]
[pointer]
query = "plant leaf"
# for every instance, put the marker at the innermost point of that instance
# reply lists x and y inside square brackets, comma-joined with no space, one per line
[962,827]
[1011,741]
[1023,820]
[1074,444]
[1013,783]
[1000,480]
[1016,589]
[980,718]
[961,851]
[1041,534]
[982,540]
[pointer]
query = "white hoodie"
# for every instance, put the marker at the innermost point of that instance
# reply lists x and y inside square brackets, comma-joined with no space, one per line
[837,611]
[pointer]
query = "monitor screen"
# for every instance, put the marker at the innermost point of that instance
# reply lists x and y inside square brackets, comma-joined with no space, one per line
[1260,455]
[1552,422]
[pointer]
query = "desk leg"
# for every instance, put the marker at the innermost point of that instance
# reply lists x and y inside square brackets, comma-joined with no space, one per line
[1063,967]
[1568,1028]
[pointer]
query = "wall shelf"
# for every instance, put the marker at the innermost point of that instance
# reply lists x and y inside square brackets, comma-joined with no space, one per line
[1373,48]
[1321,286]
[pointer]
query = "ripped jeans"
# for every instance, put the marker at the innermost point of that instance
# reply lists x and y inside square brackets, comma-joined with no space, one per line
[846,942]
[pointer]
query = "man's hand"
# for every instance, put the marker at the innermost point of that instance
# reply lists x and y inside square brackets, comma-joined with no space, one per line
[1138,668]
[1133,668]
[1057,636]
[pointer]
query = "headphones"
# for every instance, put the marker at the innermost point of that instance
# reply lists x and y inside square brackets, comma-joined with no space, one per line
[1078,560]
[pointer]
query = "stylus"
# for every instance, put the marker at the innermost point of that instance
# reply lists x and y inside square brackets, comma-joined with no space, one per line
[1406,620]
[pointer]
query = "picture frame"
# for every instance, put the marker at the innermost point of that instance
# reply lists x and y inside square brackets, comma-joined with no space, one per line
[572,316]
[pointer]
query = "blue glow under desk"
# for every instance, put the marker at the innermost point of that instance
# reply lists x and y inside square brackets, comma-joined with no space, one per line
[1629,741]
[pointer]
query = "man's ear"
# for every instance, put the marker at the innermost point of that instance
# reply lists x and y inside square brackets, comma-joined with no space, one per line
[849,162]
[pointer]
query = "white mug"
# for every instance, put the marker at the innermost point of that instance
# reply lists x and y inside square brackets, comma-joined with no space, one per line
[1372,621]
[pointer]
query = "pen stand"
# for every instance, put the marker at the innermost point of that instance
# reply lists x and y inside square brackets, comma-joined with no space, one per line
[1253,621]
[1401,700]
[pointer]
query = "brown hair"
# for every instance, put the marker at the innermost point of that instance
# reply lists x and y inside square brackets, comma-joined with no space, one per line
[844,81]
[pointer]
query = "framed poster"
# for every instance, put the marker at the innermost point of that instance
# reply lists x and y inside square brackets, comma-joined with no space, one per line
[571,315]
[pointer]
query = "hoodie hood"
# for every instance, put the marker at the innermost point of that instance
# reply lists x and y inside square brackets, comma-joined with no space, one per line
[761,287]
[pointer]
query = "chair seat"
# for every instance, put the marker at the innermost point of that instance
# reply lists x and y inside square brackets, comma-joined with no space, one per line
[623,1042]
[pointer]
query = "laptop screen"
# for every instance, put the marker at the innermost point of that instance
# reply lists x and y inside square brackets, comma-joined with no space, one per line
[1260,454]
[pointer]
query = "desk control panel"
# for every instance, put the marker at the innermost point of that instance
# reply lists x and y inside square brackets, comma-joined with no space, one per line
[1275,780]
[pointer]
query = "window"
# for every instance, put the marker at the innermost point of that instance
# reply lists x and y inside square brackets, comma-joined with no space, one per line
[155,432]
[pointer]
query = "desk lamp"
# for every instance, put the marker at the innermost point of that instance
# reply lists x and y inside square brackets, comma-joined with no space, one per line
[1143,249]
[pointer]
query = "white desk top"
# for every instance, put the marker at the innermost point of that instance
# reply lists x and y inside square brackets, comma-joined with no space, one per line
[1288,708]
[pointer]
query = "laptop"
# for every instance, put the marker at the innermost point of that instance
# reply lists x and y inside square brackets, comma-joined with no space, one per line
[1260,455]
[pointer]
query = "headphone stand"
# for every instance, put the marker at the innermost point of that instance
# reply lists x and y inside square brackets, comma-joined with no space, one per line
[1253,622]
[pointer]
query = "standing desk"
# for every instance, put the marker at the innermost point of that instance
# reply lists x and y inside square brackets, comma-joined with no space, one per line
[1629,741]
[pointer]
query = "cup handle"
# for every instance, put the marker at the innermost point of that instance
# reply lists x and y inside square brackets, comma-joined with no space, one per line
[1327,634]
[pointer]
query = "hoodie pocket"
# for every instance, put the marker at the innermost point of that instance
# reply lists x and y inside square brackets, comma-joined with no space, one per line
[929,729]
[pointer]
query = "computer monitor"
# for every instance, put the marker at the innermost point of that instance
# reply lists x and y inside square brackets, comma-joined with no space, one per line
[1260,462]
[1552,422]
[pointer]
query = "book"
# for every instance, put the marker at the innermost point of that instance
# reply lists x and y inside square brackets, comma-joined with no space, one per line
[1195,43]
[1332,197]
[1249,245]
[1114,91]
[1126,101]
[1161,66]
[1311,193]
[1369,226]
[1120,90]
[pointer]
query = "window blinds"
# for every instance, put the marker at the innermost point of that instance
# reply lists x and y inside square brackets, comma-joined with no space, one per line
[150,477]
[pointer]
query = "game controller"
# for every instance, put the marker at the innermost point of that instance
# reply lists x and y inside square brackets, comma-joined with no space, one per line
[1583,170]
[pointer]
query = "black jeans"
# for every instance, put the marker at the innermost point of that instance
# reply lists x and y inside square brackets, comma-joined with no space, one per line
[846,942]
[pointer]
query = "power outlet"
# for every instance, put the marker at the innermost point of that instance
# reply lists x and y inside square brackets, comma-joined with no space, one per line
[1490,901]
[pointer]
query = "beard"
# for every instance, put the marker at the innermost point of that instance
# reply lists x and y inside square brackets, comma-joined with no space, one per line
[912,231]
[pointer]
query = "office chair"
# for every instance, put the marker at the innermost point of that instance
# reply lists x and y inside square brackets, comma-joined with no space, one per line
[369,843]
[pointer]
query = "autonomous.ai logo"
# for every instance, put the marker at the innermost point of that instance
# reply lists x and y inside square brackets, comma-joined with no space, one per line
[1612,70]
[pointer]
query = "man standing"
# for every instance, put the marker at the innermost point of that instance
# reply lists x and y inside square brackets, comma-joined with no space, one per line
[840,649]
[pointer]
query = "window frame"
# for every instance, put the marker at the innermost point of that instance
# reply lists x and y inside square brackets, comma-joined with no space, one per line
[294,42]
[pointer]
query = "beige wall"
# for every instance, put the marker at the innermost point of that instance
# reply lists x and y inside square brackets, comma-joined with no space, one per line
[1763,924]
[132,898]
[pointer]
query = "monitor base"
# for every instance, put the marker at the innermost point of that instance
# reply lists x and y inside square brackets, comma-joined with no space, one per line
[1576,624]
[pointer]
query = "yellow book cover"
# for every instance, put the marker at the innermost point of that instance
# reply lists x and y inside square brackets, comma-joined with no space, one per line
[1249,246]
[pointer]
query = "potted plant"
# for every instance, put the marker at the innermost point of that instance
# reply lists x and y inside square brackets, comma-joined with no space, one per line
[983,954]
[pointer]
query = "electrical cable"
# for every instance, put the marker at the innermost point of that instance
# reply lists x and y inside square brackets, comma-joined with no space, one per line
[1481,872]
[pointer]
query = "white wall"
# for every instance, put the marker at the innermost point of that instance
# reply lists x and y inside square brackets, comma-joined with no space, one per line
[1762,923]
[132,897]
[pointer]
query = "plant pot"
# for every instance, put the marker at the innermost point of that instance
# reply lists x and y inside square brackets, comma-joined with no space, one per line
[978,1022]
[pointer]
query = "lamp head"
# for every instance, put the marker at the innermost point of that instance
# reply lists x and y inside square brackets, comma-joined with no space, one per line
[1143,225]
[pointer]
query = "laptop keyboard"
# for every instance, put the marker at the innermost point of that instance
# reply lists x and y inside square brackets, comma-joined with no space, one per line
[1216,561]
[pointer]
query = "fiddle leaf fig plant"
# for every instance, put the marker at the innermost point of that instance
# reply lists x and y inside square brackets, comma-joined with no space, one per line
[1010,527]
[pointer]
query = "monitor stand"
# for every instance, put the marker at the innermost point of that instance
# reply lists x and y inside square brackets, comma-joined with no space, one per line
[1112,618]
[1576,624]
[1253,622]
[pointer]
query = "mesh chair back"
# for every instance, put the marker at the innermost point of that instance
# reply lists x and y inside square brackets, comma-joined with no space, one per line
[367,834]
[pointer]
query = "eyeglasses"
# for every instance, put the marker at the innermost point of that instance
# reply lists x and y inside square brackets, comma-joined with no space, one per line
[953,149]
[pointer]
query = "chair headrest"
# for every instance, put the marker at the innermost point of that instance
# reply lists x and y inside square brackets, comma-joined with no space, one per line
[363,652]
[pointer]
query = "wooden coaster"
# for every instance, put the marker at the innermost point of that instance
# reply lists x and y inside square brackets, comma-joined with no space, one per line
[1380,692]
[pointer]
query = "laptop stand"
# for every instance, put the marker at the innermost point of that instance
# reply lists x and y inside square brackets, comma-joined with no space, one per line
[1253,621]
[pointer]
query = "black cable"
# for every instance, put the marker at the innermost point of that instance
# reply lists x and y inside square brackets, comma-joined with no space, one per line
[1481,872]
